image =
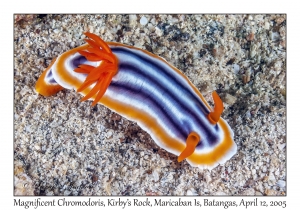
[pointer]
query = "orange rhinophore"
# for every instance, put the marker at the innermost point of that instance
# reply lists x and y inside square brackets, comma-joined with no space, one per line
[215,115]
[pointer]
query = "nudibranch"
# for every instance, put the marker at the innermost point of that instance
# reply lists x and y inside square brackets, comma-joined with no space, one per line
[144,88]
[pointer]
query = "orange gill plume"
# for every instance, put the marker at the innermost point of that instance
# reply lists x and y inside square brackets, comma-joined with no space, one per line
[100,75]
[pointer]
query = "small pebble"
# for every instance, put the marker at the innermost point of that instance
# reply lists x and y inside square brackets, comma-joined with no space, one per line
[207,178]
[37,147]
[220,193]
[271,177]
[143,20]
[67,192]
[270,192]
[236,68]
[132,19]
[275,36]
[191,191]
[250,37]
[249,191]
[258,193]
[281,183]
[109,134]
[155,175]
[229,99]
[267,25]
[279,20]
[281,146]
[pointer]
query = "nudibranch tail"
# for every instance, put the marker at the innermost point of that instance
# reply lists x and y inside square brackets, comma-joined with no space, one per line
[46,85]
[214,116]
[102,74]
[191,143]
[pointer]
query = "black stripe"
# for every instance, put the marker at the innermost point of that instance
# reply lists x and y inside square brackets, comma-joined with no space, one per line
[158,66]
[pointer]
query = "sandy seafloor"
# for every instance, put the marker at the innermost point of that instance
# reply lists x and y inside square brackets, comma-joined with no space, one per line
[66,147]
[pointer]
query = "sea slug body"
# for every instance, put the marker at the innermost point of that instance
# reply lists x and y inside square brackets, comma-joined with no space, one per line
[144,88]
